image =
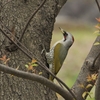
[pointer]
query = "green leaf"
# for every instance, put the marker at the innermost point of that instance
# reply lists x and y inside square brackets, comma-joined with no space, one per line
[34,65]
[97,43]
[26,66]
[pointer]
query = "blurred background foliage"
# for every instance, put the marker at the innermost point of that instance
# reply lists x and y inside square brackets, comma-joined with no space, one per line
[78,18]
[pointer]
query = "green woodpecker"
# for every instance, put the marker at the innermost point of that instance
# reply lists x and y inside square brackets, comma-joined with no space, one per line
[58,53]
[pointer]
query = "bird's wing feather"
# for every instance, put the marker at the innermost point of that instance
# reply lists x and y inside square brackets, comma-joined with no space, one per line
[57,60]
[56,65]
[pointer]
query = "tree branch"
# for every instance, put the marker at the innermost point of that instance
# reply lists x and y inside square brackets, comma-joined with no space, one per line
[65,94]
[97,4]
[92,62]
[97,89]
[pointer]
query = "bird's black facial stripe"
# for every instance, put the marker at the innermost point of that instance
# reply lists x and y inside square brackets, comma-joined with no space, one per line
[65,35]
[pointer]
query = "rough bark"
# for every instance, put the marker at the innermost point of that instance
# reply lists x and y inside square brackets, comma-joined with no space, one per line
[16,13]
[90,67]
[97,90]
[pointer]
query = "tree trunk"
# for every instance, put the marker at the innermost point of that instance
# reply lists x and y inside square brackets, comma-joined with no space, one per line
[14,15]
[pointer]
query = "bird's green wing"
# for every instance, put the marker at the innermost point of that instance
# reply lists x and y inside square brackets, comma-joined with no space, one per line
[56,65]
[57,60]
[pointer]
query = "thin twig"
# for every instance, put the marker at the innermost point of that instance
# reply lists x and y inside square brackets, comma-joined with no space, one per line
[97,4]
[15,44]
[30,20]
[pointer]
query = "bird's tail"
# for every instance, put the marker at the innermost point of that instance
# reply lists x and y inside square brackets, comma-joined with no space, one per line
[51,78]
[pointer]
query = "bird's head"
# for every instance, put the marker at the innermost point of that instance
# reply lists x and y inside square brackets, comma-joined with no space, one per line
[67,36]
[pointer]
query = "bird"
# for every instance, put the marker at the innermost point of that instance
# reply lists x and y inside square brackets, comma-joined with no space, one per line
[58,52]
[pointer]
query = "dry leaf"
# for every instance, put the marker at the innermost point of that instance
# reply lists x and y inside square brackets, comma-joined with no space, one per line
[98,19]
[89,78]
[81,85]
[4,59]
[34,61]
[92,77]
[98,27]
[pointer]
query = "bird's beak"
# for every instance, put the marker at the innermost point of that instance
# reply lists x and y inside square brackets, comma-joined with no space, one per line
[61,29]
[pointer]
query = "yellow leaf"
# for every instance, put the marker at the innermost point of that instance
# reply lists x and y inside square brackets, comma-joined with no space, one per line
[26,66]
[58,95]
[97,43]
[40,73]
[89,78]
[94,76]
[84,94]
[88,86]
[81,85]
